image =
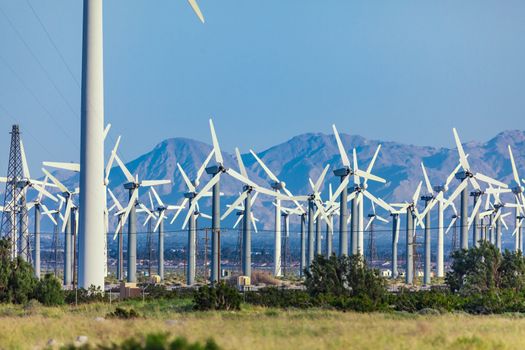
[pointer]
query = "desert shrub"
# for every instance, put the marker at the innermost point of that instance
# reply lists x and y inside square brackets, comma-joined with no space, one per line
[345,280]
[414,301]
[48,291]
[123,313]
[219,297]
[17,281]
[265,277]
[279,297]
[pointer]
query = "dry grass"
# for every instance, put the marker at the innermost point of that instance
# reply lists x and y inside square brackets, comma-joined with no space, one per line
[259,328]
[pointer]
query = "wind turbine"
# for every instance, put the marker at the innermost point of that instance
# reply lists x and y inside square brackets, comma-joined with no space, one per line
[66,225]
[344,174]
[246,197]
[517,190]
[130,214]
[466,176]
[412,213]
[278,186]
[91,242]
[160,209]
[189,199]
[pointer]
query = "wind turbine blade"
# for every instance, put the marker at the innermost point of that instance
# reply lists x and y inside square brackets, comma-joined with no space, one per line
[125,170]
[67,214]
[253,220]
[43,191]
[462,157]
[182,206]
[429,207]
[372,162]
[115,200]
[502,219]
[111,159]
[340,189]
[203,167]
[196,9]
[514,169]
[205,216]
[238,220]
[157,198]
[131,204]
[415,197]
[375,200]
[254,197]
[242,169]
[369,222]
[152,206]
[25,167]
[356,167]
[48,214]
[490,180]
[265,168]
[342,151]
[368,176]
[451,176]
[190,186]
[463,184]
[159,220]
[233,206]
[380,218]
[427,181]
[64,166]
[398,223]
[106,130]
[191,210]
[215,141]
[474,212]
[53,179]
[148,183]
[451,224]
[207,187]
[321,178]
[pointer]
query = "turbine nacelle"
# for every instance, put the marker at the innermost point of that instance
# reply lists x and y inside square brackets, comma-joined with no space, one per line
[463,174]
[131,185]
[278,185]
[518,189]
[342,172]
[215,169]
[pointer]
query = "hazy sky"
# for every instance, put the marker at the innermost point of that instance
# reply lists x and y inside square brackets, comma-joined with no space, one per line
[265,70]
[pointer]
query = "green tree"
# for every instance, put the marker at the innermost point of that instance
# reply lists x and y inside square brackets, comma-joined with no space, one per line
[48,291]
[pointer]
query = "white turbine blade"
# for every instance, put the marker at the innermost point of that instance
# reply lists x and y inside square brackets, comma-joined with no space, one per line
[64,166]
[232,207]
[356,167]
[502,219]
[205,216]
[111,159]
[25,167]
[215,141]
[196,9]
[182,206]
[490,180]
[427,181]
[106,130]
[369,222]
[462,157]
[451,176]
[253,220]
[514,169]
[340,189]
[312,185]
[496,218]
[342,151]
[207,187]
[321,178]
[159,220]
[351,196]
[463,184]
[265,168]
[55,181]
[254,197]
[191,210]
[238,220]
[398,223]
[190,186]
[115,200]
[429,207]
[415,197]
[47,212]
[148,183]
[451,224]
[203,168]
[375,200]
[152,206]
[368,176]
[372,162]
[380,218]
[131,204]
[67,213]
[242,169]
[157,198]
[43,191]
[474,212]
[125,170]
[241,178]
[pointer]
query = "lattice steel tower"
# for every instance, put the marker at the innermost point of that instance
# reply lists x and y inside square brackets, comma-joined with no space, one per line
[14,216]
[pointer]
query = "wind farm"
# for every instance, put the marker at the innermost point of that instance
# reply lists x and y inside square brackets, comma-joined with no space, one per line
[222,217]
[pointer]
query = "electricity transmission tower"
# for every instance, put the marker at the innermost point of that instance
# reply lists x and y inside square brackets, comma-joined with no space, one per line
[14,200]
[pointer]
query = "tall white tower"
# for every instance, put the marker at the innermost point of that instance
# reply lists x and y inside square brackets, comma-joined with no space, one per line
[91,233]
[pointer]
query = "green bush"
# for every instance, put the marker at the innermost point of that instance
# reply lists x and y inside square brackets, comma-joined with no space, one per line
[219,297]
[85,296]
[17,281]
[124,314]
[48,291]
[279,297]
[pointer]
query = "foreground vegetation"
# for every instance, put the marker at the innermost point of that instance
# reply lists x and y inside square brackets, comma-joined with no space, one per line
[258,327]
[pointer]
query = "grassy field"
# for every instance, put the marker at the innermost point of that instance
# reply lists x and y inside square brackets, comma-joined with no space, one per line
[259,328]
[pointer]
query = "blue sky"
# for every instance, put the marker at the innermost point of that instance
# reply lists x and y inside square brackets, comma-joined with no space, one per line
[265,70]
